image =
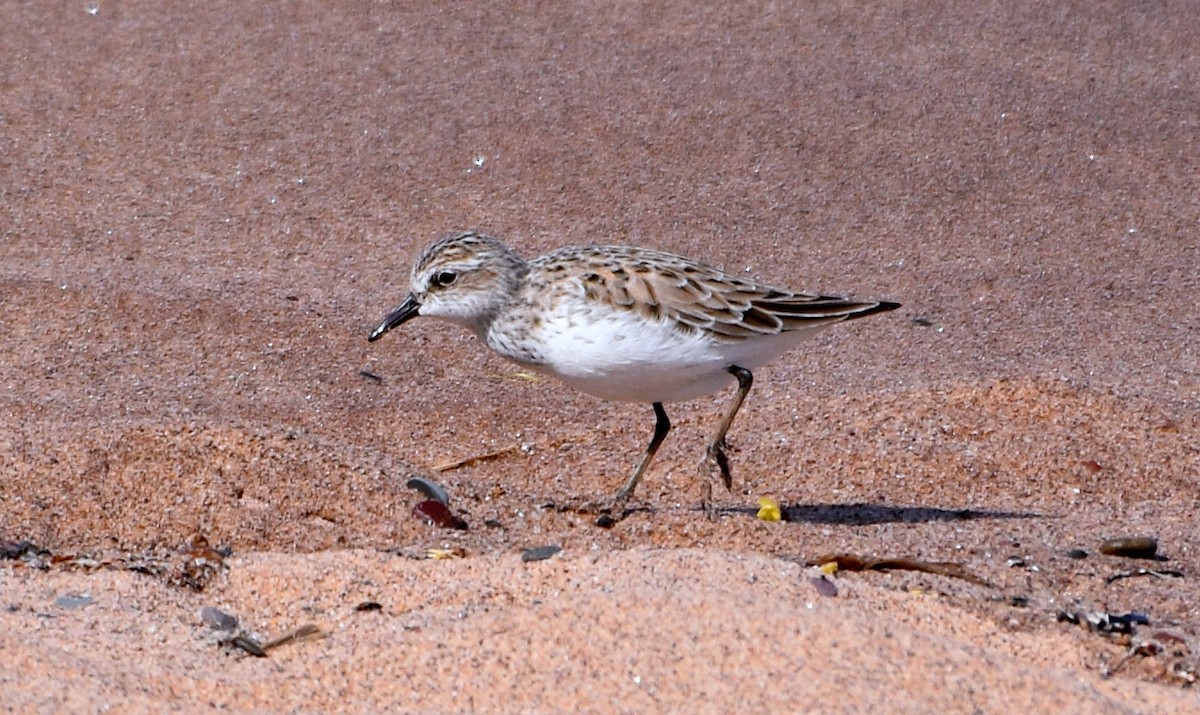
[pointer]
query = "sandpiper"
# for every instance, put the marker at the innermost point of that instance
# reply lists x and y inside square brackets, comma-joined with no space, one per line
[621,323]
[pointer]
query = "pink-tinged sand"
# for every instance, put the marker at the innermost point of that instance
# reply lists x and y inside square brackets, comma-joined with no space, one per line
[204,208]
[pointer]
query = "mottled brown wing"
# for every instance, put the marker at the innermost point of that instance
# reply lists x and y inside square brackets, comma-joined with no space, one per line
[703,298]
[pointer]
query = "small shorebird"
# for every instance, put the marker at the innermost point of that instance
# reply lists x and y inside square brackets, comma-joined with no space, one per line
[620,323]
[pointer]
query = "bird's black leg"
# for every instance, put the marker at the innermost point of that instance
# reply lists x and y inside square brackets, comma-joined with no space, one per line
[662,425]
[715,459]
[614,510]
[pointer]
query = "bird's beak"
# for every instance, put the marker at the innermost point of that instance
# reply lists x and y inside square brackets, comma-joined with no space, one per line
[407,310]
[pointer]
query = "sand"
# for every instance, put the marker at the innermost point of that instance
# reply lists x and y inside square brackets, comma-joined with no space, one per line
[204,209]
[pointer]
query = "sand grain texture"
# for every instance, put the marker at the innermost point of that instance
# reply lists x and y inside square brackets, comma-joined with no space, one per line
[204,208]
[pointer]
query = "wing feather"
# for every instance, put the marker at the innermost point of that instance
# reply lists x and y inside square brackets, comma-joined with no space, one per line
[701,298]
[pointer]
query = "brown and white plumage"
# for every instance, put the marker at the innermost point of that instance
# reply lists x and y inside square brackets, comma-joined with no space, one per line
[618,322]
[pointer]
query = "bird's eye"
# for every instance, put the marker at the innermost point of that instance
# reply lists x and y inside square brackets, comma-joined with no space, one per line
[444,278]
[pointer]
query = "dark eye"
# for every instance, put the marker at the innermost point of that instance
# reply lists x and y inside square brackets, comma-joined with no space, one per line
[444,278]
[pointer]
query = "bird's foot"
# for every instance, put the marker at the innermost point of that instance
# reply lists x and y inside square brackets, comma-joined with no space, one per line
[706,498]
[714,465]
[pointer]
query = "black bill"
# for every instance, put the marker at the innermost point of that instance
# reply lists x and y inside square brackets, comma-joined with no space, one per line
[407,310]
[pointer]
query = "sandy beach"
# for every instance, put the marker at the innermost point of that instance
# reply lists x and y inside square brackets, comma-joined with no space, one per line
[205,208]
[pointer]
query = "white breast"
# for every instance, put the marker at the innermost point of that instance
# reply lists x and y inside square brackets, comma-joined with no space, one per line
[620,355]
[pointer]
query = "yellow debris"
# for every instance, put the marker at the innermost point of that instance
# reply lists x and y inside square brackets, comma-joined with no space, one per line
[439,554]
[768,509]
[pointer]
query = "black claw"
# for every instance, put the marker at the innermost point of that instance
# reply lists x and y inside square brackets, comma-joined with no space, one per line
[726,477]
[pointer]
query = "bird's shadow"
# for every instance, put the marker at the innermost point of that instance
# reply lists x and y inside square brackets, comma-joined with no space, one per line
[862,514]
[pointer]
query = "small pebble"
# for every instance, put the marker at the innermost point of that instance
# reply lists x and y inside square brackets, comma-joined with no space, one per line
[19,549]
[1133,547]
[1077,554]
[824,586]
[540,553]
[369,606]
[217,619]
[73,600]
[430,490]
